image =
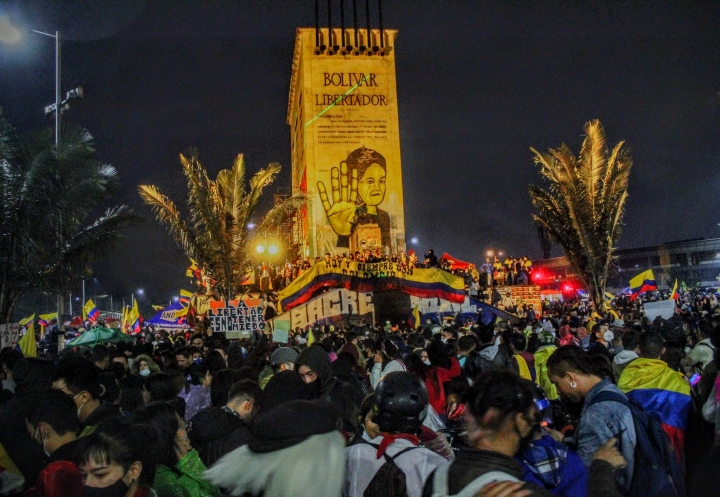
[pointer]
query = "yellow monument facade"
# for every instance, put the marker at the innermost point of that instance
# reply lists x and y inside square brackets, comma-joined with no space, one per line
[345,140]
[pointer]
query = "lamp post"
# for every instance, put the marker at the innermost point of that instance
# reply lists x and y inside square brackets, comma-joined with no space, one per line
[57,89]
[10,34]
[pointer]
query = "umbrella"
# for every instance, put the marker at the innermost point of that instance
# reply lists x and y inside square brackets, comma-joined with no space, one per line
[98,336]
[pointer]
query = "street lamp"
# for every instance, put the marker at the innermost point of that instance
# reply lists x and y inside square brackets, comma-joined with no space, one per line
[10,34]
[140,292]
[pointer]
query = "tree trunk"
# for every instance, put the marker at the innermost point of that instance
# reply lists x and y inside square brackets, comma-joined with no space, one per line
[60,299]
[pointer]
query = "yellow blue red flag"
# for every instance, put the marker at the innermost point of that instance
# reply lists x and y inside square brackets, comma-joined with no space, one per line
[27,344]
[90,311]
[662,392]
[642,283]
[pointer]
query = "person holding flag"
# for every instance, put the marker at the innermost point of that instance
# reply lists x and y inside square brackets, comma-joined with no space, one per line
[27,345]
[90,312]
[642,283]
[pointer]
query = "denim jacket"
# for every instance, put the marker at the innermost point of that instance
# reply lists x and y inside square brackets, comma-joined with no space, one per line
[602,421]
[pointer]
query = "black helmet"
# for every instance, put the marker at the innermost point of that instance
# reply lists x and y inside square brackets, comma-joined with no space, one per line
[401,402]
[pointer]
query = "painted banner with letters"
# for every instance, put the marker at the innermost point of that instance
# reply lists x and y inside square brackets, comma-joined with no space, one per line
[333,307]
[372,277]
[237,319]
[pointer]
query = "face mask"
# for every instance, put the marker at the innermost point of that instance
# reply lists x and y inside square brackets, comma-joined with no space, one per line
[198,360]
[145,372]
[44,441]
[81,405]
[117,489]
[314,388]
[462,360]
[427,363]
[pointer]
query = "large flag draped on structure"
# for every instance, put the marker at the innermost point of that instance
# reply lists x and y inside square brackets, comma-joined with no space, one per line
[27,344]
[642,283]
[368,277]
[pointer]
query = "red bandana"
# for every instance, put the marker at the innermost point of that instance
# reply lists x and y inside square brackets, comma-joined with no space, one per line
[390,438]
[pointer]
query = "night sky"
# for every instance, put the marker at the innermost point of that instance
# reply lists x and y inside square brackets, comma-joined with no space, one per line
[478,84]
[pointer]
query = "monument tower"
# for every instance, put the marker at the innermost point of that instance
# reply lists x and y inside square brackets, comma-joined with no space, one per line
[345,141]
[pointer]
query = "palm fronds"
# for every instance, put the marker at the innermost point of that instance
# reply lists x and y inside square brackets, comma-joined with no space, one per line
[214,230]
[583,206]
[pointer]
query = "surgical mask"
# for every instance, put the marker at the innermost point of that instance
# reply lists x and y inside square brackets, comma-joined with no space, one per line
[81,405]
[198,360]
[462,360]
[145,372]
[44,440]
[427,363]
[117,489]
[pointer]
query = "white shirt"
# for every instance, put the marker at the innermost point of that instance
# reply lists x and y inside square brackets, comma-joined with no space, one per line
[361,464]
[378,372]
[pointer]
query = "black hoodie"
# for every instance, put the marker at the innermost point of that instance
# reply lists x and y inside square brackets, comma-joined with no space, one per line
[216,431]
[32,376]
[339,393]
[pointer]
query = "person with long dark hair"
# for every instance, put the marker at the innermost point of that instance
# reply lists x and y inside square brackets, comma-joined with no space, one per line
[580,376]
[115,461]
[178,465]
[387,360]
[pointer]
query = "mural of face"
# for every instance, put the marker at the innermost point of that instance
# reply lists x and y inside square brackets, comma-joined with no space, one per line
[371,187]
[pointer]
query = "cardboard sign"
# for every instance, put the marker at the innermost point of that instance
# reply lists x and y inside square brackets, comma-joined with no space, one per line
[239,319]
[9,334]
[663,308]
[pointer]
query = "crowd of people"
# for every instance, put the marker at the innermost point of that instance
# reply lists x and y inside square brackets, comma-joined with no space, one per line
[495,272]
[563,403]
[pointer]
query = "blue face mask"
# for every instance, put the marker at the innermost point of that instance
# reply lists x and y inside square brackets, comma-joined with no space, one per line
[145,372]
[198,360]
[462,360]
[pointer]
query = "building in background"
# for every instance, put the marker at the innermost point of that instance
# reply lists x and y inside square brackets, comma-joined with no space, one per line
[695,261]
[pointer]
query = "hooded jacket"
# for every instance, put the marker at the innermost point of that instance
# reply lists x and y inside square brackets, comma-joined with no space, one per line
[31,376]
[495,358]
[621,360]
[541,373]
[216,431]
[339,393]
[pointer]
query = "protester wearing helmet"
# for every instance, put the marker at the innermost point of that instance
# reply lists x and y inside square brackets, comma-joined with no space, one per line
[401,403]
[502,419]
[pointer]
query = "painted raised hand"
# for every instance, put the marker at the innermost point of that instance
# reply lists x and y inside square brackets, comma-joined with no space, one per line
[341,213]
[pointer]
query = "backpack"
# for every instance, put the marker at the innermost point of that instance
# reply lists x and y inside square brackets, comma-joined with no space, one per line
[389,480]
[656,470]
[440,482]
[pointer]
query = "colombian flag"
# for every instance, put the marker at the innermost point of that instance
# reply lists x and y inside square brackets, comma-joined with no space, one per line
[663,393]
[642,283]
[134,317]
[185,296]
[90,311]
[46,319]
[673,294]
[415,318]
[27,344]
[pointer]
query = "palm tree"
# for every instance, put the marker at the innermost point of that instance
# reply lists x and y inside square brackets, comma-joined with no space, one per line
[47,200]
[215,231]
[583,207]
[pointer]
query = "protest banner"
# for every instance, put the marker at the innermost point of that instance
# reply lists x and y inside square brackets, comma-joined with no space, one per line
[372,277]
[338,306]
[9,334]
[237,319]
[663,308]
